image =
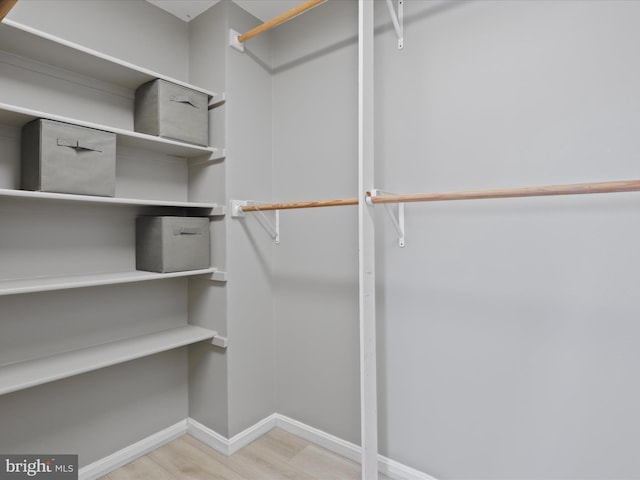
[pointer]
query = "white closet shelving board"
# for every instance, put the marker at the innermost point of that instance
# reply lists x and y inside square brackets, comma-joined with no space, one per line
[18,376]
[67,197]
[18,116]
[28,42]
[46,284]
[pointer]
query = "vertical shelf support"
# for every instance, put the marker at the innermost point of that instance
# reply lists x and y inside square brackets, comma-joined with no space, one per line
[396,220]
[366,243]
[271,229]
[398,21]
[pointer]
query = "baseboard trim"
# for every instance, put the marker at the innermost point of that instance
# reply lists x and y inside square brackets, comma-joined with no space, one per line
[230,446]
[122,457]
[391,468]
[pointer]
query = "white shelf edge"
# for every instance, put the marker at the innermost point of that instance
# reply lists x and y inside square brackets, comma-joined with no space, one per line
[26,374]
[68,197]
[54,40]
[125,137]
[47,284]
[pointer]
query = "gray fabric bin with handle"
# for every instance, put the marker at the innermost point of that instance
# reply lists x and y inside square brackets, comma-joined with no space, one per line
[172,111]
[172,244]
[64,158]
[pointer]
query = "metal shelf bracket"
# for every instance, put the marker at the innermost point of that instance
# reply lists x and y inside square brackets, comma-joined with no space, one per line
[398,21]
[272,230]
[396,220]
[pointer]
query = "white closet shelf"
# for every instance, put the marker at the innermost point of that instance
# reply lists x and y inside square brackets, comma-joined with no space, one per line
[25,41]
[67,197]
[21,375]
[18,116]
[46,284]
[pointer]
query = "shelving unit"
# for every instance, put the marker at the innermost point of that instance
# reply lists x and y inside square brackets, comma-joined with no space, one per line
[18,376]
[212,209]
[18,116]
[46,284]
[22,42]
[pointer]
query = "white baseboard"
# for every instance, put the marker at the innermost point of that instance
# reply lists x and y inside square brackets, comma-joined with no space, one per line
[391,468]
[122,457]
[230,446]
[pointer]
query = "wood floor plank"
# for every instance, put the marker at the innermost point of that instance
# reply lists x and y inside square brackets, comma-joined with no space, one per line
[266,464]
[285,444]
[277,455]
[141,469]
[320,463]
[186,462]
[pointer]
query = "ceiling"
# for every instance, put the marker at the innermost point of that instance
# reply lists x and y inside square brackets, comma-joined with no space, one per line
[189,9]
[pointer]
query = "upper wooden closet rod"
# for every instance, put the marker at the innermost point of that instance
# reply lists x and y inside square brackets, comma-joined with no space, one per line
[5,6]
[274,22]
[571,189]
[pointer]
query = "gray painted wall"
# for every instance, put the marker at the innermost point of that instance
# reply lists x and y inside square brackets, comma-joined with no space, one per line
[233,390]
[315,91]
[506,328]
[250,249]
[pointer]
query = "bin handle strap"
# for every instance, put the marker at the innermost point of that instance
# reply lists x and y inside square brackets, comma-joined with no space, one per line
[183,99]
[77,145]
[187,231]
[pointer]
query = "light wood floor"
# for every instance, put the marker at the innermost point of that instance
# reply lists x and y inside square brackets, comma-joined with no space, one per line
[276,455]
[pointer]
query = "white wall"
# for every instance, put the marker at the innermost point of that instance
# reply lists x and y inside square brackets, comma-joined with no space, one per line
[506,328]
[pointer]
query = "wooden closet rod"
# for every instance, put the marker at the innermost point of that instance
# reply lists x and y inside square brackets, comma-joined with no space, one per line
[543,191]
[571,189]
[274,22]
[338,202]
[5,7]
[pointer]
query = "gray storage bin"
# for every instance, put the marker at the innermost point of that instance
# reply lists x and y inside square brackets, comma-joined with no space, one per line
[63,158]
[172,244]
[168,110]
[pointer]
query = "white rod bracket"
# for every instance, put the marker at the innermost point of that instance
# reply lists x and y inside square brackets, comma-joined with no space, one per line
[272,230]
[397,221]
[398,21]
[234,42]
[236,208]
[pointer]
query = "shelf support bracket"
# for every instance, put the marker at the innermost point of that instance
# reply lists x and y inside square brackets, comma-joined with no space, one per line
[219,275]
[398,21]
[271,229]
[220,341]
[397,220]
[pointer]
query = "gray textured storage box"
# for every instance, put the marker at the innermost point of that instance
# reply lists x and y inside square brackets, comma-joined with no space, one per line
[172,111]
[172,244]
[64,158]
